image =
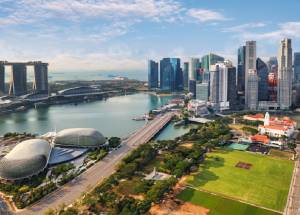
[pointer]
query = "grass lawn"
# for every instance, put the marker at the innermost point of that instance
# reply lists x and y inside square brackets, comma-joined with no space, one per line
[266,183]
[281,154]
[221,206]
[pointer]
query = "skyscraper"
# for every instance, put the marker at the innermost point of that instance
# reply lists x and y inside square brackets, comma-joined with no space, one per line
[209,60]
[272,79]
[152,74]
[171,78]
[272,64]
[185,75]
[18,82]
[40,82]
[232,88]
[214,86]
[193,67]
[241,70]
[251,79]
[297,66]
[202,91]
[2,79]
[227,85]
[192,87]
[252,91]
[284,89]
[262,72]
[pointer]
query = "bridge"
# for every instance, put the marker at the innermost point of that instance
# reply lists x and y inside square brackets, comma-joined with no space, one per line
[93,176]
[148,131]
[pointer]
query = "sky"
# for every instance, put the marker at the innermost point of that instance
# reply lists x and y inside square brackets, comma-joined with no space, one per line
[120,35]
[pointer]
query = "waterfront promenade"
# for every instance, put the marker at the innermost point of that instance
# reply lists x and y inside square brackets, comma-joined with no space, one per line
[85,182]
[293,204]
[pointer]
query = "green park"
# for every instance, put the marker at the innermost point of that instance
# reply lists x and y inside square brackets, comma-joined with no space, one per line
[237,175]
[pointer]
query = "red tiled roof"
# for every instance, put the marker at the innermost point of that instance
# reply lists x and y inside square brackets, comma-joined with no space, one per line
[260,138]
[275,127]
[256,116]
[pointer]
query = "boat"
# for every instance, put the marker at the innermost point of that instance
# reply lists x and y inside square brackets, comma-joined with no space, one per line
[142,118]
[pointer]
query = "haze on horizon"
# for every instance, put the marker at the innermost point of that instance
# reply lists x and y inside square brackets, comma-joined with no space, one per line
[115,35]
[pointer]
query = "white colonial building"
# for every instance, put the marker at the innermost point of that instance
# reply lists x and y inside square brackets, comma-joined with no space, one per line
[275,127]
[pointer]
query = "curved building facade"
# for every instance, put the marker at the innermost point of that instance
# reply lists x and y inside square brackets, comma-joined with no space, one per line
[28,158]
[80,137]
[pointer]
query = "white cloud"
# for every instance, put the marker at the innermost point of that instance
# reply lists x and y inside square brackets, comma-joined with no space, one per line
[244,27]
[203,15]
[30,11]
[75,34]
[287,29]
[96,62]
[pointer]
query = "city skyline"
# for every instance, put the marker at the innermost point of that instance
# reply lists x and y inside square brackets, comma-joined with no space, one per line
[84,35]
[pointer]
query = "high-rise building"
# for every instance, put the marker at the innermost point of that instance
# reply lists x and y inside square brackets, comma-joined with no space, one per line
[199,73]
[272,64]
[214,90]
[193,67]
[272,79]
[227,85]
[2,79]
[18,82]
[262,72]
[192,87]
[251,79]
[40,81]
[171,78]
[186,75]
[297,66]
[241,70]
[284,89]
[232,88]
[252,90]
[208,60]
[202,91]
[152,74]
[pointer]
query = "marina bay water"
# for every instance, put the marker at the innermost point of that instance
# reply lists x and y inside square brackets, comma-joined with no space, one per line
[112,117]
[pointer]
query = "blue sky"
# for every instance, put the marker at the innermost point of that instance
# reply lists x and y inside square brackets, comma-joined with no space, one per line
[120,35]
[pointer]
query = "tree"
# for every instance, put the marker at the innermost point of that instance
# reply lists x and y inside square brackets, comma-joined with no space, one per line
[250,130]
[50,211]
[69,211]
[114,142]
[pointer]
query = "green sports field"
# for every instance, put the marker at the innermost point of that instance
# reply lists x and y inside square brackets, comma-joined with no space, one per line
[221,206]
[266,183]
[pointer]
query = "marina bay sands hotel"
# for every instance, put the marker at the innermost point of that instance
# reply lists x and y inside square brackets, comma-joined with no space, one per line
[18,78]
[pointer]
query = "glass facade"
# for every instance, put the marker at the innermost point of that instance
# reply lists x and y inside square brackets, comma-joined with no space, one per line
[210,59]
[202,91]
[232,88]
[297,66]
[185,75]
[193,68]
[171,77]
[262,72]
[192,87]
[152,74]
[241,70]
[214,86]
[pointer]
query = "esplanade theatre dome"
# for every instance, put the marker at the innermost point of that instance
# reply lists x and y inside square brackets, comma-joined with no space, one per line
[28,158]
[79,137]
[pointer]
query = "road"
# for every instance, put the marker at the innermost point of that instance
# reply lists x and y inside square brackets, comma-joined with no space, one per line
[293,204]
[85,182]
